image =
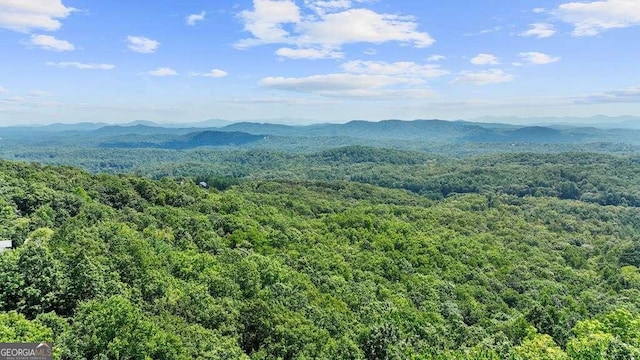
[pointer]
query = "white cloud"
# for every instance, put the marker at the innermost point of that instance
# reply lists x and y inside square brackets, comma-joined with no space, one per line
[592,18]
[493,76]
[163,71]
[48,42]
[382,94]
[214,73]
[142,44]
[81,66]
[332,82]
[28,15]
[538,10]
[402,68]
[436,58]
[364,80]
[485,59]
[3,90]
[485,31]
[192,19]
[332,25]
[537,58]
[540,30]
[363,25]
[266,20]
[324,6]
[344,85]
[309,53]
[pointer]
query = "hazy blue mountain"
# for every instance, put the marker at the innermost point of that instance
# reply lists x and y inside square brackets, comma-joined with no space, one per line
[119,130]
[387,129]
[53,128]
[415,134]
[538,134]
[432,131]
[428,130]
[192,140]
[267,128]
[626,124]
[211,123]
[418,130]
[141,122]
[597,121]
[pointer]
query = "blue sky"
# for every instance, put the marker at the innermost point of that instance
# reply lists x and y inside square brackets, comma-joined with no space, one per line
[312,60]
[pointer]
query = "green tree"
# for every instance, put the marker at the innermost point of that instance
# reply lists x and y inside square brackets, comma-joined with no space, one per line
[116,329]
[540,347]
[15,327]
[615,336]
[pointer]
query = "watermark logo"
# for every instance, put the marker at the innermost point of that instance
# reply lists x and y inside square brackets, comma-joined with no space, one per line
[25,351]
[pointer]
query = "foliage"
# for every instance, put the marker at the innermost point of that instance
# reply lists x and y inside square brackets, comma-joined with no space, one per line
[317,266]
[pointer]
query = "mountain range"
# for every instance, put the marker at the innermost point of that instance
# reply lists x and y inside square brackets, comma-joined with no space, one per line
[393,132]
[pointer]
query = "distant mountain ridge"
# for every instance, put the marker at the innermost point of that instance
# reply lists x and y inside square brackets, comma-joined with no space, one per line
[597,121]
[357,132]
[423,130]
[192,140]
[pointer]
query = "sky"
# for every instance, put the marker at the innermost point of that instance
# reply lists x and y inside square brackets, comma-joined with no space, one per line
[304,61]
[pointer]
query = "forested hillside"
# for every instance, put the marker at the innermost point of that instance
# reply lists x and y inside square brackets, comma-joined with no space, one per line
[591,177]
[121,266]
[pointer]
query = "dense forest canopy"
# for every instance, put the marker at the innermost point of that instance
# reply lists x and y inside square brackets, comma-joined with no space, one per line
[350,253]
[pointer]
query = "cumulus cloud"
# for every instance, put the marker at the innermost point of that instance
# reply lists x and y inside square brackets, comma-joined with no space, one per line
[214,73]
[592,18]
[537,58]
[265,22]
[48,42]
[485,59]
[309,53]
[330,25]
[163,71]
[192,19]
[493,76]
[142,44]
[28,15]
[364,80]
[340,85]
[363,25]
[331,82]
[540,30]
[384,94]
[81,66]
